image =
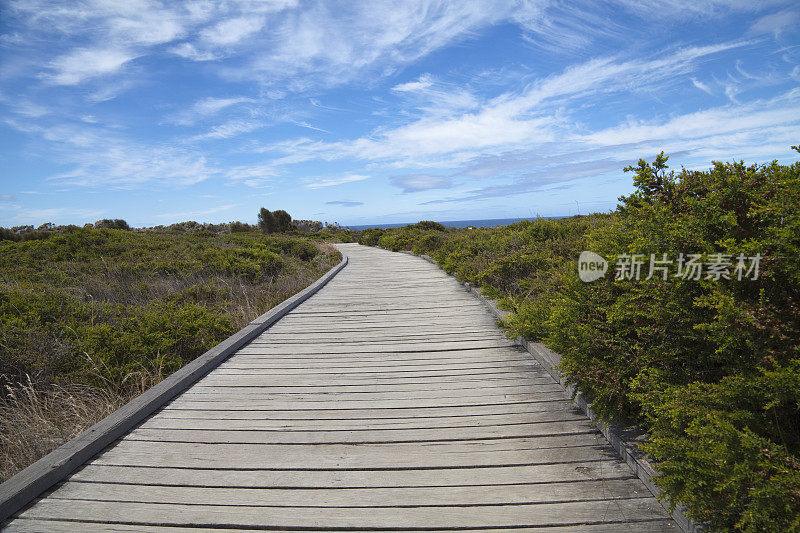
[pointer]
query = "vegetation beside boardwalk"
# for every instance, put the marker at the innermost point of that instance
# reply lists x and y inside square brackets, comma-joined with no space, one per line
[90,318]
[710,368]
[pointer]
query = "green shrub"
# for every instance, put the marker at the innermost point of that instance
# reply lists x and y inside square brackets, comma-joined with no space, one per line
[239,227]
[108,223]
[370,237]
[428,225]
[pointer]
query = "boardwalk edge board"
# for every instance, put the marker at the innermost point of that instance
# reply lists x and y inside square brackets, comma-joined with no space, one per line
[622,439]
[23,488]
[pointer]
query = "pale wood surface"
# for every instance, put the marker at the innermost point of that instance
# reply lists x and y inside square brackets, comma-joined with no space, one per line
[387,401]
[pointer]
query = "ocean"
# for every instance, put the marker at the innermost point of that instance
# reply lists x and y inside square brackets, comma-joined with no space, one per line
[487,223]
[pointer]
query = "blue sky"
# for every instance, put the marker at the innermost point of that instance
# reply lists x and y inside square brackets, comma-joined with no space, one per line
[377,112]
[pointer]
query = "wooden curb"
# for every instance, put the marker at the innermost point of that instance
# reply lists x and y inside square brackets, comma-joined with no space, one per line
[624,440]
[31,482]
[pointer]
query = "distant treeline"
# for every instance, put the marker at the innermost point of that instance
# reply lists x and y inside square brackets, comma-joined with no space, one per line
[269,222]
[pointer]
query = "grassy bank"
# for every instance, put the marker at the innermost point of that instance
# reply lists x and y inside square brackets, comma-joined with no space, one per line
[709,367]
[89,318]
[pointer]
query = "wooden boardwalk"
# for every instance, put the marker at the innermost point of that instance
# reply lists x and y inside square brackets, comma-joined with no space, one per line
[387,401]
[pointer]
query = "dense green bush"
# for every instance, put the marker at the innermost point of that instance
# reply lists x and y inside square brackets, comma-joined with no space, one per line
[95,305]
[369,237]
[430,225]
[709,367]
[108,223]
[705,365]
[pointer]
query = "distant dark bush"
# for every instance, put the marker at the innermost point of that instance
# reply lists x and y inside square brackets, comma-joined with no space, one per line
[266,221]
[283,221]
[239,227]
[108,223]
[278,221]
[429,225]
[307,226]
[8,235]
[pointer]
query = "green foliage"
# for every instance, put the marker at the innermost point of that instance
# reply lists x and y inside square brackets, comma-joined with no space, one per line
[274,221]
[725,448]
[283,221]
[239,227]
[266,221]
[430,225]
[98,305]
[8,235]
[369,237]
[708,367]
[108,223]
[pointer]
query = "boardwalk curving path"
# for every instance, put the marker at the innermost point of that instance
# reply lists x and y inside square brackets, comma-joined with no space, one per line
[387,401]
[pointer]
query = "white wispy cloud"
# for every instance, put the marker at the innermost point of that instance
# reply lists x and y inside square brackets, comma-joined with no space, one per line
[702,86]
[228,129]
[207,107]
[423,82]
[232,31]
[199,213]
[760,115]
[421,182]
[440,133]
[102,157]
[345,203]
[776,23]
[87,63]
[508,121]
[190,51]
[331,182]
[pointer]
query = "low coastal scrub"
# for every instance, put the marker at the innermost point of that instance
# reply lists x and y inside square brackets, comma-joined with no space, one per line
[90,318]
[707,364]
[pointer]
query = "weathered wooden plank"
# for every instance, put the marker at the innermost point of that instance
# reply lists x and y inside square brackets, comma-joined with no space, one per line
[372,367]
[54,526]
[343,479]
[163,421]
[333,327]
[234,394]
[369,412]
[352,340]
[530,383]
[543,514]
[267,362]
[266,436]
[264,349]
[540,450]
[380,377]
[254,355]
[348,404]
[254,392]
[586,490]
[371,379]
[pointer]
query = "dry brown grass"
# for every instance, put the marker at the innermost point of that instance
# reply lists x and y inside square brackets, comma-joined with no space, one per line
[35,422]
